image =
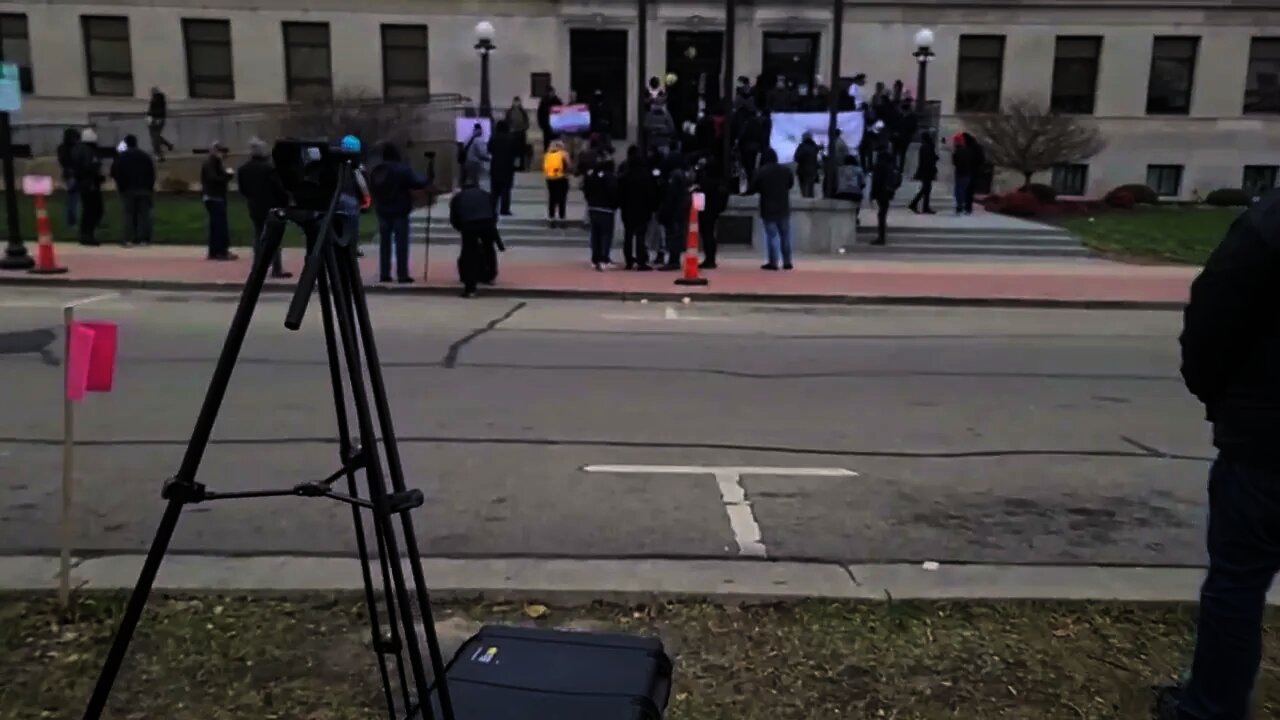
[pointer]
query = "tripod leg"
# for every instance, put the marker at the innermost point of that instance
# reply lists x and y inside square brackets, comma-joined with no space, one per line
[336,263]
[183,487]
[396,471]
[345,448]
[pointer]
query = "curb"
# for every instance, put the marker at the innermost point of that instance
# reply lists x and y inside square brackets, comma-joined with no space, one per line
[623,295]
[583,581]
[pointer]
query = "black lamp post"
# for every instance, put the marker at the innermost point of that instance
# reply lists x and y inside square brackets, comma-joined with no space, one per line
[15,253]
[484,46]
[923,55]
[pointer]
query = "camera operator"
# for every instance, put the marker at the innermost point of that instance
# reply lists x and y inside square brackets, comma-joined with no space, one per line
[471,214]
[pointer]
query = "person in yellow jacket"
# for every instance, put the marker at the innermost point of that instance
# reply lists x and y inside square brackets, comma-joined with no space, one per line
[555,168]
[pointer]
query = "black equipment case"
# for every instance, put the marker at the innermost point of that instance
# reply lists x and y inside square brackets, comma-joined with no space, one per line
[519,673]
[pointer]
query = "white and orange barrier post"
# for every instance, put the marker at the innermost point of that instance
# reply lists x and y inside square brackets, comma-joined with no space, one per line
[689,275]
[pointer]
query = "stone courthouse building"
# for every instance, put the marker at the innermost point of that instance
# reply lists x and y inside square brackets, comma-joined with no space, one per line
[1187,92]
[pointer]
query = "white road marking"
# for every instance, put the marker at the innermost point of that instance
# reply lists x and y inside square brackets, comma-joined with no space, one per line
[670,314]
[18,304]
[742,519]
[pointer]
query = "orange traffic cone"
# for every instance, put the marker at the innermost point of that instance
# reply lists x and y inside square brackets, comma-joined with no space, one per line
[45,262]
[690,276]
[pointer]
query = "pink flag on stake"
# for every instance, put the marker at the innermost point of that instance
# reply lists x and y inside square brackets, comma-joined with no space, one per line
[79,356]
[102,360]
[91,358]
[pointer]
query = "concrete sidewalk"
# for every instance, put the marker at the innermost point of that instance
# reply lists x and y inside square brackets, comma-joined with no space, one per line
[572,581]
[543,272]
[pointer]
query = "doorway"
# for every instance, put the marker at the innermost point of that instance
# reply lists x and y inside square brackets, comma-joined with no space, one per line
[696,59]
[598,61]
[793,57]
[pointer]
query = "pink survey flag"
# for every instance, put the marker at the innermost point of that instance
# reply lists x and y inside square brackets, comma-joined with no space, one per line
[91,357]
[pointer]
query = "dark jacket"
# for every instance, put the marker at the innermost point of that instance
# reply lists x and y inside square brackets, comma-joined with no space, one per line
[517,119]
[774,182]
[715,193]
[927,162]
[885,177]
[659,128]
[471,206]
[601,189]
[391,185]
[86,167]
[964,159]
[807,159]
[213,178]
[1231,334]
[134,171]
[504,148]
[261,187]
[65,152]
[637,193]
[158,108]
[674,205]
[544,111]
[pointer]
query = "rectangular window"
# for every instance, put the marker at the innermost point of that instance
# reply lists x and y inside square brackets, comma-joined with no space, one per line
[539,84]
[108,56]
[1070,179]
[405,69]
[209,73]
[979,73]
[1166,180]
[1258,179]
[1075,74]
[1262,86]
[15,47]
[307,67]
[1173,74]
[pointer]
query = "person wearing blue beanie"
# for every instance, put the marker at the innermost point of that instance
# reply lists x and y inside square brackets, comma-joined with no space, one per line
[351,143]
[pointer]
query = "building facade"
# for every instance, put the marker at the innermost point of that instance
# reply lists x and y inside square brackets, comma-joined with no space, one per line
[1187,92]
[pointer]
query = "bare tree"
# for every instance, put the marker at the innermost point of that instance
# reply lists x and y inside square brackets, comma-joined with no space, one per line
[349,112]
[1027,137]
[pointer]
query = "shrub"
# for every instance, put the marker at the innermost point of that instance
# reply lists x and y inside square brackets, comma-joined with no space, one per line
[1141,194]
[1044,194]
[174,184]
[1120,199]
[1020,204]
[1228,197]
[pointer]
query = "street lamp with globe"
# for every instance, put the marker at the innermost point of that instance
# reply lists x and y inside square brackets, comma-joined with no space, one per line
[924,55]
[484,46]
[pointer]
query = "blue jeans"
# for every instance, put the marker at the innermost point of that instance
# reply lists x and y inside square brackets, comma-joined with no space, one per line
[601,235]
[777,240]
[962,193]
[219,233]
[394,233]
[73,202]
[1244,556]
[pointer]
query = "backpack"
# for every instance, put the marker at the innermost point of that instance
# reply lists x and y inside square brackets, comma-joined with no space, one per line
[553,165]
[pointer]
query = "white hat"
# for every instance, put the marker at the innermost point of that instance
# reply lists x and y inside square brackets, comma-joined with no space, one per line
[88,135]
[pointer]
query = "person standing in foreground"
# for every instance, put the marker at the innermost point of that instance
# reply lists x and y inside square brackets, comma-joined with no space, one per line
[88,180]
[638,198]
[807,165]
[673,211]
[963,159]
[774,182]
[471,214]
[263,191]
[504,154]
[135,177]
[555,168]
[214,179]
[715,193]
[601,190]
[1231,363]
[391,183]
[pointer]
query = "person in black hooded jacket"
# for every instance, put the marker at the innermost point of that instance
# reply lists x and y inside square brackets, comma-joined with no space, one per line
[1231,363]
[638,193]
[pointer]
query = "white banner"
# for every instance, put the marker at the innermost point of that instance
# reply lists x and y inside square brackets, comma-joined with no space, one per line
[788,128]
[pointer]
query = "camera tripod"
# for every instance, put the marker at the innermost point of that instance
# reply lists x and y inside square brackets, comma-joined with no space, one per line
[332,269]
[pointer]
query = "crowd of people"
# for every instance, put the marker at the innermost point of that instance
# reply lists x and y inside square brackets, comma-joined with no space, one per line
[650,188]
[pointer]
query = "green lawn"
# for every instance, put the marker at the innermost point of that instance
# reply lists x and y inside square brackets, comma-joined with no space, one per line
[305,656]
[1167,233]
[179,219]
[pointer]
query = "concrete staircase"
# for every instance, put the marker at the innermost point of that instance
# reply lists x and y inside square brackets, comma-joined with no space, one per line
[981,234]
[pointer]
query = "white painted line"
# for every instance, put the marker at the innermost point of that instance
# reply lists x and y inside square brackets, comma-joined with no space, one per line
[93,299]
[713,469]
[655,318]
[670,314]
[742,518]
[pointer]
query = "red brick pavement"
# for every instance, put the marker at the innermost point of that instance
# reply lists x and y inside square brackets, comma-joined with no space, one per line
[837,280]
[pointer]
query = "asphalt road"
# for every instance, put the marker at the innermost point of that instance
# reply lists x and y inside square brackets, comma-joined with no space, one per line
[1022,436]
